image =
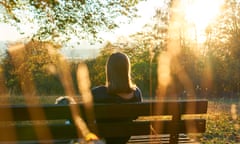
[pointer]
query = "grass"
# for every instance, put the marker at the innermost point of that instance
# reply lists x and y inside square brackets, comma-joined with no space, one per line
[223,122]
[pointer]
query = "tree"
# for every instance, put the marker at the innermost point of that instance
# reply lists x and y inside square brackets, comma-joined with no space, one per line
[59,20]
[34,62]
[224,48]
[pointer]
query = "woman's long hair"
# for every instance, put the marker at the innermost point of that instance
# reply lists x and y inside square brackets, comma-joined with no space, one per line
[118,74]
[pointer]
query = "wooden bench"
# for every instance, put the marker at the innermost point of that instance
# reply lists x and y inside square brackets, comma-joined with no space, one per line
[146,120]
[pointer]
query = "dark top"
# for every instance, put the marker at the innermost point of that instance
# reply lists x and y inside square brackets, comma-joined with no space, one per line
[100,95]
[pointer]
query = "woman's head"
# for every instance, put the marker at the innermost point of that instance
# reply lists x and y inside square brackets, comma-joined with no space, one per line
[118,69]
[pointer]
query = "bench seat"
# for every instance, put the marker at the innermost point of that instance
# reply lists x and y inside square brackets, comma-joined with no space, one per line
[149,118]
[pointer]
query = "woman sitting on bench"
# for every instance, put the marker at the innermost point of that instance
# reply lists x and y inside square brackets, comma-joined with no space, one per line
[119,87]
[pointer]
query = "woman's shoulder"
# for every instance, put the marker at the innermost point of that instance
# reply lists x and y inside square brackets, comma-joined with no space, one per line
[100,94]
[137,90]
[138,93]
[101,87]
[99,90]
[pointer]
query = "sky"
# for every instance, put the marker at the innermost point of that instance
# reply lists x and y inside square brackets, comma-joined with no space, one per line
[8,33]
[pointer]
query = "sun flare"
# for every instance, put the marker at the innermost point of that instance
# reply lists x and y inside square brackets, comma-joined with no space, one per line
[201,13]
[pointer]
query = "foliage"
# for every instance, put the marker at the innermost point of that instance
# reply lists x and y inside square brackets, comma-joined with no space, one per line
[217,67]
[97,66]
[59,20]
[11,79]
[220,130]
[224,48]
[157,30]
[35,61]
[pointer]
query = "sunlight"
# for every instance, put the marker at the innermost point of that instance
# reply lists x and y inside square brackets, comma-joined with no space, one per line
[11,33]
[8,33]
[201,13]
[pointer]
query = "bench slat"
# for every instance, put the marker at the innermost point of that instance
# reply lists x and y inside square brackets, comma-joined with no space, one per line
[105,111]
[145,128]
[27,132]
[22,113]
[148,108]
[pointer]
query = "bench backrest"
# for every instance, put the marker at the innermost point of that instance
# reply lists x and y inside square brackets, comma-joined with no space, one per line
[46,122]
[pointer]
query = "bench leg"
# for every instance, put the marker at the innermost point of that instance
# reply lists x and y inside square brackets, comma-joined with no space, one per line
[173,139]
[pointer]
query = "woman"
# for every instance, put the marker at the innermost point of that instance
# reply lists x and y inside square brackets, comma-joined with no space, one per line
[119,87]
